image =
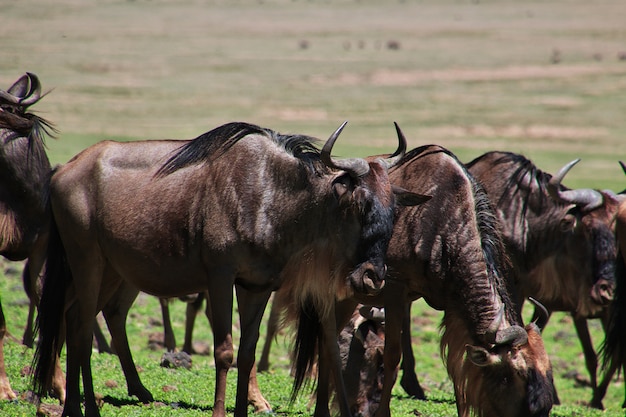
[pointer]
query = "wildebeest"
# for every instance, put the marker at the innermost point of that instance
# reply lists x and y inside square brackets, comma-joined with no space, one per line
[240,206]
[361,345]
[449,252]
[560,243]
[24,178]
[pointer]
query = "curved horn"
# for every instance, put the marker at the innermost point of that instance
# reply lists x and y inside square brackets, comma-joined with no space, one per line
[399,153]
[34,94]
[585,197]
[372,313]
[358,167]
[541,312]
[514,335]
[623,166]
[25,91]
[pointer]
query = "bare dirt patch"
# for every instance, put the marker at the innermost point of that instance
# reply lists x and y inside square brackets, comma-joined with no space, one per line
[399,78]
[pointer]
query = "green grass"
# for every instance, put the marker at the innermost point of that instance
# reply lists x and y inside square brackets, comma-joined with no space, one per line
[190,392]
[472,76]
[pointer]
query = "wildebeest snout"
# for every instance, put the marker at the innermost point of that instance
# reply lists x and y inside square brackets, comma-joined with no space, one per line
[369,279]
[602,292]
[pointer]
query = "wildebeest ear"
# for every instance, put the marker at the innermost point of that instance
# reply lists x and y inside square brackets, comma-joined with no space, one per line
[480,356]
[342,184]
[408,198]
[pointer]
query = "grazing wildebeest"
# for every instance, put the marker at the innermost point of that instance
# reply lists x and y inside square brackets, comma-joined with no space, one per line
[240,206]
[24,178]
[361,345]
[560,243]
[449,252]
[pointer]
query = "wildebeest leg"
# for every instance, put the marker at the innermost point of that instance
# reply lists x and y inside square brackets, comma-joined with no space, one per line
[600,391]
[251,307]
[6,393]
[78,340]
[221,317]
[395,307]
[190,318]
[58,381]
[329,357]
[28,338]
[322,396]
[591,359]
[30,277]
[342,312]
[169,340]
[30,288]
[255,397]
[101,341]
[115,313]
[272,329]
[409,379]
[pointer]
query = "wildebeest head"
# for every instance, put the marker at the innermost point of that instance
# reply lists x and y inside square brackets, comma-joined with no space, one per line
[513,365]
[24,167]
[560,240]
[590,221]
[364,187]
[509,370]
[361,344]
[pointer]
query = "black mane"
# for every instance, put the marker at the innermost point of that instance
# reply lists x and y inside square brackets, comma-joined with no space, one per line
[492,242]
[524,168]
[216,142]
[413,153]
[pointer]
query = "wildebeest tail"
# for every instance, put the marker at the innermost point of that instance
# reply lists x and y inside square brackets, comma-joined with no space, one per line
[49,322]
[613,348]
[305,346]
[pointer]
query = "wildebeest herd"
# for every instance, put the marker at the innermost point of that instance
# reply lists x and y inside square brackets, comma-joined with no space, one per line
[344,244]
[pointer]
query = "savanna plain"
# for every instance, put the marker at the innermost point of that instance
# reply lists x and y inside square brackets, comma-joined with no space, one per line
[541,78]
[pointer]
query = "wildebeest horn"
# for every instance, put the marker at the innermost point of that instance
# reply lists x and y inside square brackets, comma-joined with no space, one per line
[34,94]
[399,153]
[514,335]
[372,313]
[585,197]
[623,166]
[357,166]
[542,316]
[20,92]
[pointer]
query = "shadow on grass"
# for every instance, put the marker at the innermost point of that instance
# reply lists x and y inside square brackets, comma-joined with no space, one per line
[121,402]
[429,399]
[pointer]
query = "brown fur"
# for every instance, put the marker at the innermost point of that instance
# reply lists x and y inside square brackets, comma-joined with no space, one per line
[10,233]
